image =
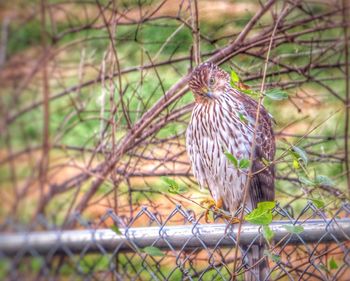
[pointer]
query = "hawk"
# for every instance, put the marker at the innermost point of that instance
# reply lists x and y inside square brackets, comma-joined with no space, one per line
[223,120]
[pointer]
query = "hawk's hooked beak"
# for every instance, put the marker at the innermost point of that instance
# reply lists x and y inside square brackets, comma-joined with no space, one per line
[210,95]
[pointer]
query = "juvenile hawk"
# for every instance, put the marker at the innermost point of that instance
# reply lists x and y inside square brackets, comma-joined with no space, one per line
[223,119]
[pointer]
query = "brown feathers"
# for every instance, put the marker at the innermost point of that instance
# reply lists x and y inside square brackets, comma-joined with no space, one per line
[223,119]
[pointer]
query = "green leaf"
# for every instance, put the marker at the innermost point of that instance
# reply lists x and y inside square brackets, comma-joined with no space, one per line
[319,180]
[333,264]
[173,190]
[318,203]
[241,164]
[276,94]
[174,187]
[231,158]
[301,154]
[234,77]
[177,190]
[268,233]
[306,181]
[116,229]
[244,163]
[260,217]
[262,214]
[272,256]
[250,92]
[266,205]
[153,251]
[323,180]
[242,118]
[294,229]
[170,182]
[296,164]
[182,189]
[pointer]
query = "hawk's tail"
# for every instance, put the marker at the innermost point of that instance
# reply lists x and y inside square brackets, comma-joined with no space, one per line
[257,265]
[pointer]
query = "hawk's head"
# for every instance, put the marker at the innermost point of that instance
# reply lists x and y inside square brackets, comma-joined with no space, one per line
[208,81]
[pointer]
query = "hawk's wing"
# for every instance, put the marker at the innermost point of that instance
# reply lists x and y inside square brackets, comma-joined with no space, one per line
[196,162]
[262,187]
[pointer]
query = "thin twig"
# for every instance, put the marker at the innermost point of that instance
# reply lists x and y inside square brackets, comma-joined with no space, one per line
[253,145]
[346,21]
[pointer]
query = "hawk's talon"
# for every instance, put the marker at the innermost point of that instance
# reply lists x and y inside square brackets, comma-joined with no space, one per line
[206,216]
[208,203]
[211,205]
[234,220]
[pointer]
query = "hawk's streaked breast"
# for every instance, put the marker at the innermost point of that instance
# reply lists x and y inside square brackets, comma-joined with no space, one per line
[223,119]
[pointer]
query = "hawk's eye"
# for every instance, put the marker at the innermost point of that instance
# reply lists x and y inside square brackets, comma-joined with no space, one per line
[211,81]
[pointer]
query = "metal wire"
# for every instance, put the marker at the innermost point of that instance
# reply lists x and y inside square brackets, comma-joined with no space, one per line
[148,248]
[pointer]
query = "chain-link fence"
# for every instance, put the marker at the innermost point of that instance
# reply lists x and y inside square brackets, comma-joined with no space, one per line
[305,246]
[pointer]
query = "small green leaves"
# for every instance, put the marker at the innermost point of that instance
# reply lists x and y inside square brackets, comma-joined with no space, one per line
[170,182]
[231,158]
[300,154]
[294,229]
[243,164]
[262,214]
[276,94]
[273,257]
[306,181]
[323,180]
[318,203]
[296,164]
[268,233]
[266,205]
[250,92]
[259,217]
[179,190]
[240,164]
[237,83]
[333,264]
[153,251]
[242,118]
[317,181]
[174,187]
[234,77]
[116,229]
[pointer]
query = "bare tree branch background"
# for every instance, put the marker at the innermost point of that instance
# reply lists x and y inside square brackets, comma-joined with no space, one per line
[95,103]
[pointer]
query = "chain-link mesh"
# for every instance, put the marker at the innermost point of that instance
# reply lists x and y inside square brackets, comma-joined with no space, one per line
[177,247]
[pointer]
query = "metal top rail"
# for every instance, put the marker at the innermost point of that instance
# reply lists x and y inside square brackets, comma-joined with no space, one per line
[169,237]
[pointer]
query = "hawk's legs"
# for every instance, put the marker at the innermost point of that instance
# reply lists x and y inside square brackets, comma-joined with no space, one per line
[211,204]
[216,206]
